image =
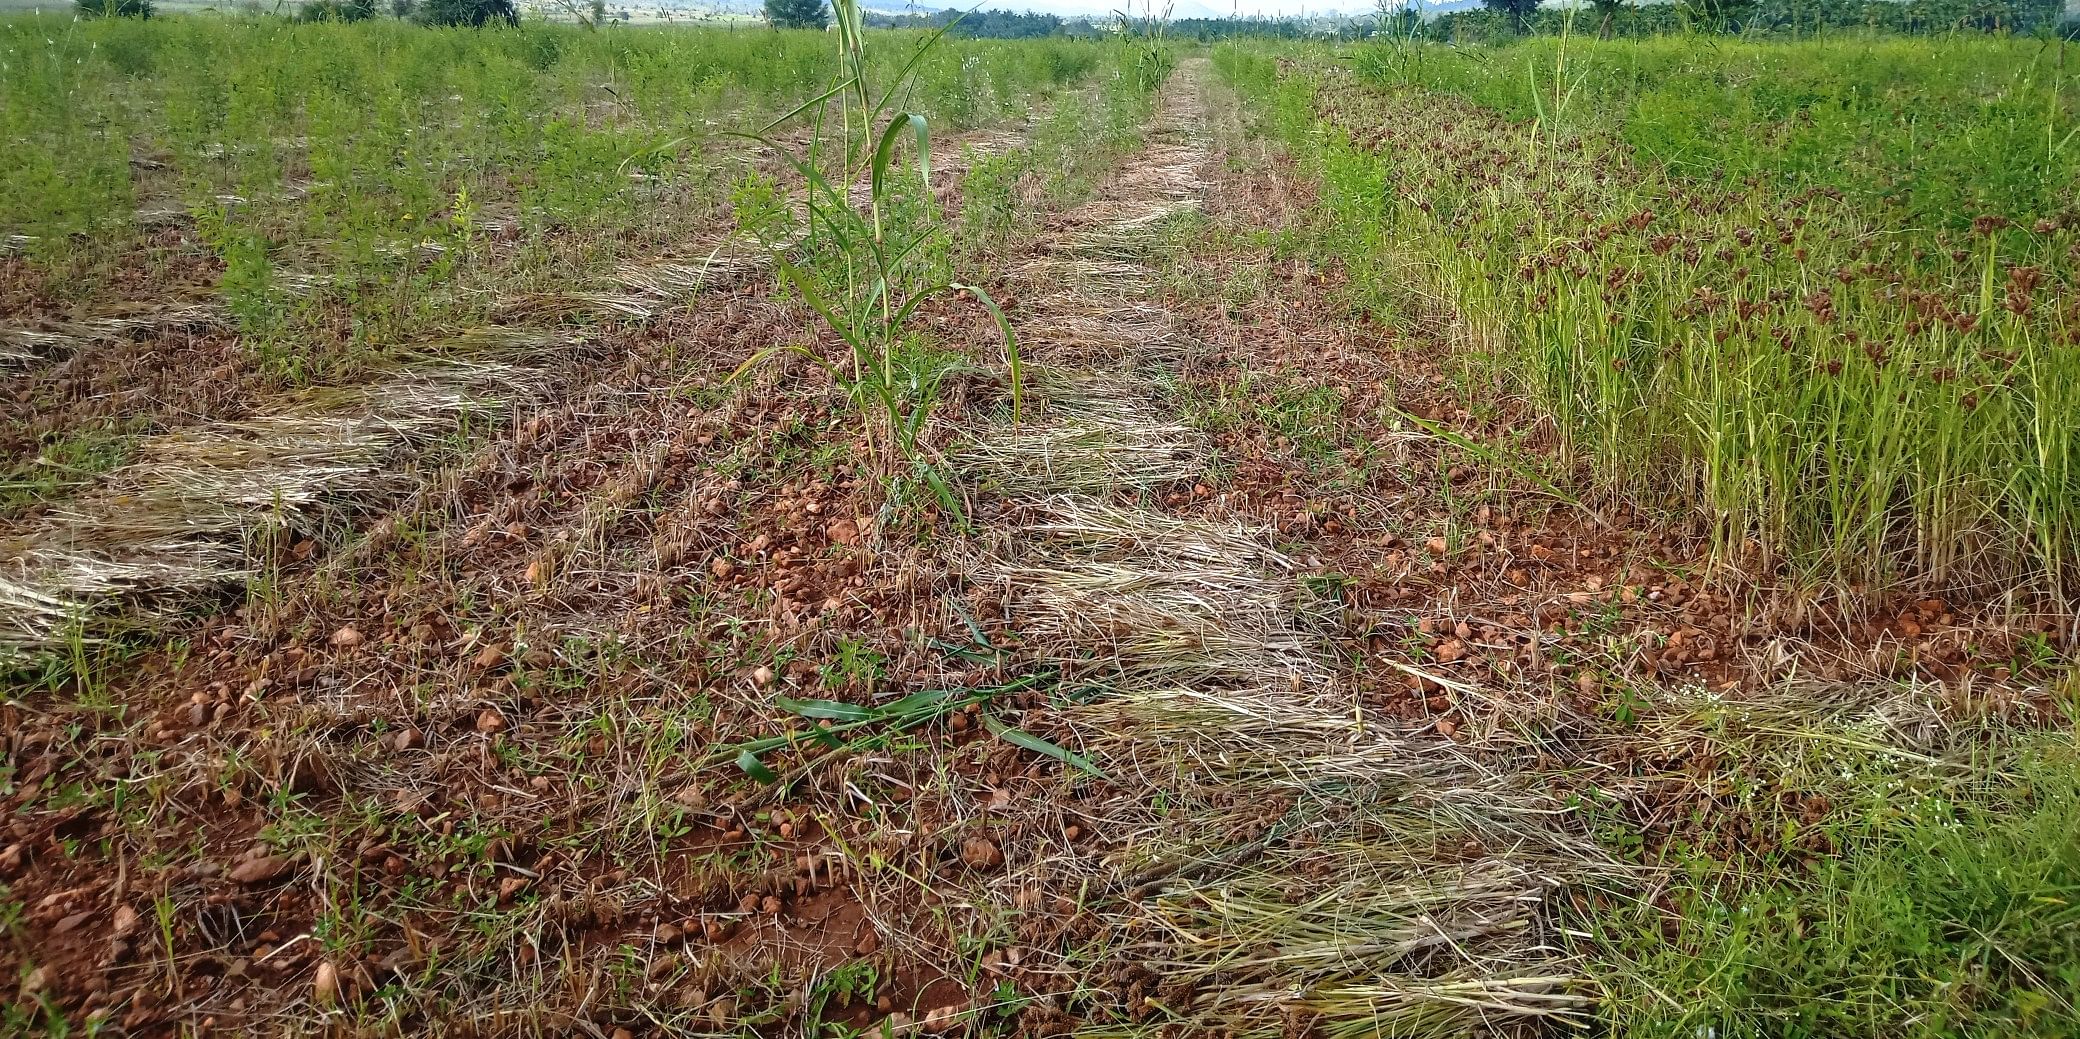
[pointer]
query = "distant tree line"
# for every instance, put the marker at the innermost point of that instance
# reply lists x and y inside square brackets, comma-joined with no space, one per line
[1493,20]
[427,12]
[1780,17]
[1234,28]
[1013,25]
[1501,18]
[996,25]
[114,8]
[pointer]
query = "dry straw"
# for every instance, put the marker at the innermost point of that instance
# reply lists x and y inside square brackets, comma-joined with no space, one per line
[180,518]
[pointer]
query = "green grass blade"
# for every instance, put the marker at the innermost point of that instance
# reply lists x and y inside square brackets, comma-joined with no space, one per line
[804,285]
[1022,738]
[1011,356]
[884,150]
[766,354]
[915,702]
[805,106]
[755,768]
[831,710]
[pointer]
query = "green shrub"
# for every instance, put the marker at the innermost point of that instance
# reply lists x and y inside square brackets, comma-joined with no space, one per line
[114,8]
[474,13]
[337,11]
[798,14]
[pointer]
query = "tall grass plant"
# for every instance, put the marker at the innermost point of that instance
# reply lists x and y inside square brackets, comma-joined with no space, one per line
[1808,319]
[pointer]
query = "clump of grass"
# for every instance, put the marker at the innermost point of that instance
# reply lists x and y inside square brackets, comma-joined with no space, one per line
[185,512]
[1951,910]
[64,462]
[878,272]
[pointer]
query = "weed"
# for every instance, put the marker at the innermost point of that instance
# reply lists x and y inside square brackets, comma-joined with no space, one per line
[877,278]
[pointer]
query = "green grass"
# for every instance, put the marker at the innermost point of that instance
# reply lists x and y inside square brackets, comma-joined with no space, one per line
[1950,910]
[867,264]
[1936,131]
[362,185]
[555,108]
[1058,166]
[66,461]
[1778,305]
[1305,418]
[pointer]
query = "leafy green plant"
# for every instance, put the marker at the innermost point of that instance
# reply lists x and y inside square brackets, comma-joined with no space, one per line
[875,280]
[989,200]
[1145,32]
[852,727]
[842,986]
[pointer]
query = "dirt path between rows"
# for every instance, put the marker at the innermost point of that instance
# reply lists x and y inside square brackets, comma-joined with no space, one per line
[1273,853]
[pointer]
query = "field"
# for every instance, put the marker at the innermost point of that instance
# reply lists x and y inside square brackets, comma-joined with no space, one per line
[678,531]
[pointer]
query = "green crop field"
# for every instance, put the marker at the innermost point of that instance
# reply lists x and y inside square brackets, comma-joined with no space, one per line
[1530,521]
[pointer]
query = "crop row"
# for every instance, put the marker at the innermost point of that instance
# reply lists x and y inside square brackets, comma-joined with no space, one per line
[1854,395]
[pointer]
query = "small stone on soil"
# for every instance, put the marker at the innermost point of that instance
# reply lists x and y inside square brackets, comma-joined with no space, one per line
[262,869]
[982,853]
[325,986]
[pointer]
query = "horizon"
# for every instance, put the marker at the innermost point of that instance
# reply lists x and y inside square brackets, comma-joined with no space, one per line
[1182,9]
